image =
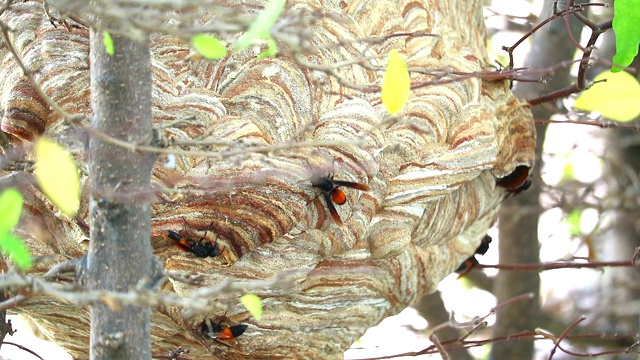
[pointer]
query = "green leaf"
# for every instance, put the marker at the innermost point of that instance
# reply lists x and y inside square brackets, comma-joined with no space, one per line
[17,250]
[57,175]
[626,25]
[573,220]
[253,303]
[618,98]
[108,43]
[567,171]
[465,283]
[260,27]
[10,209]
[271,50]
[396,84]
[209,46]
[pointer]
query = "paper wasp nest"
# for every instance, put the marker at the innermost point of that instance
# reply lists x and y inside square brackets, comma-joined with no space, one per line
[431,172]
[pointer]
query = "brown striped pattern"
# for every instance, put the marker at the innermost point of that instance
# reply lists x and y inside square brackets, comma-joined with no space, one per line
[431,172]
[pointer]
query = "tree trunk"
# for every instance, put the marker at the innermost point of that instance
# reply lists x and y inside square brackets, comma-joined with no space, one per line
[519,215]
[119,256]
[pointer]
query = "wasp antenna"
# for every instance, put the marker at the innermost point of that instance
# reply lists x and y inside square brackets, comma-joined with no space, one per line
[184,225]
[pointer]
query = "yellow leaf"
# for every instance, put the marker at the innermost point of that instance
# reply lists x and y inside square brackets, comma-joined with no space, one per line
[395,83]
[57,175]
[617,99]
[253,303]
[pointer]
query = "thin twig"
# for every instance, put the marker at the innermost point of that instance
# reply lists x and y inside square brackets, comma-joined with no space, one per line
[564,334]
[24,348]
[63,267]
[199,301]
[559,265]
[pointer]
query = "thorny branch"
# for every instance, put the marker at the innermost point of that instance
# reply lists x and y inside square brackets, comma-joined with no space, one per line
[23,348]
[443,347]
[596,30]
[459,344]
[601,124]
[80,121]
[535,335]
[568,11]
[194,304]
[559,265]
[174,355]
[475,323]
[295,47]
[564,335]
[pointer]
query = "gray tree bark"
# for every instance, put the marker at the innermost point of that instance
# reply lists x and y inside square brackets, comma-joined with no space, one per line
[120,256]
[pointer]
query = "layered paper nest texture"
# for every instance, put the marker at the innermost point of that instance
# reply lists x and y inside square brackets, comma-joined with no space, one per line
[431,171]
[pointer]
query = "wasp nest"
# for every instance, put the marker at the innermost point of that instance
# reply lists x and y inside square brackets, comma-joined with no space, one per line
[430,172]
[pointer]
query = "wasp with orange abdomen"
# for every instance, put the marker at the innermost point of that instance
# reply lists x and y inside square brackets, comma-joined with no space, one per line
[219,332]
[471,262]
[333,194]
[201,248]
